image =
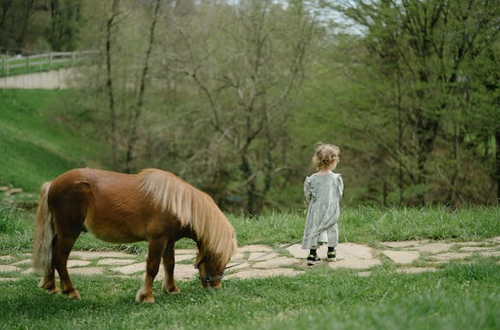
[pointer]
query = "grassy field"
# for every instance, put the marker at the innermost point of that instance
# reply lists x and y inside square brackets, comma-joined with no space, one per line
[460,296]
[34,145]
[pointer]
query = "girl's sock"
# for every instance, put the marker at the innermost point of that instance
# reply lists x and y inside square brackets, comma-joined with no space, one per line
[312,251]
[331,249]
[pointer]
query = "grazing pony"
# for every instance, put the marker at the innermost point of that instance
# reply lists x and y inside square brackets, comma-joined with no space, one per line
[153,206]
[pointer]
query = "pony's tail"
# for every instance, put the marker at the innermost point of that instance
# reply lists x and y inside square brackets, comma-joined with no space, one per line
[44,233]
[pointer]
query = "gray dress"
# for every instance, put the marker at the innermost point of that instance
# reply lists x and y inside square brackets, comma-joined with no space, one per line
[323,193]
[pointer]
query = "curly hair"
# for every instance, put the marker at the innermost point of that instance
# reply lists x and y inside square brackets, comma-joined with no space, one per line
[326,156]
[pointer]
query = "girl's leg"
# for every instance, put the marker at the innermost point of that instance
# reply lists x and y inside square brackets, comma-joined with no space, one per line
[333,236]
[313,257]
[333,240]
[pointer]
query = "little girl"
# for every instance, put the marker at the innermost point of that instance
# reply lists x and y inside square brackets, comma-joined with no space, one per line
[323,190]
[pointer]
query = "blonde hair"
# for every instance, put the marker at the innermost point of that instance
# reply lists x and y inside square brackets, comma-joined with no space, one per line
[326,156]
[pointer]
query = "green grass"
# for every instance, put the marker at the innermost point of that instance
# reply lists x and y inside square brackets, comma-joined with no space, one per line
[40,66]
[34,146]
[367,225]
[458,297]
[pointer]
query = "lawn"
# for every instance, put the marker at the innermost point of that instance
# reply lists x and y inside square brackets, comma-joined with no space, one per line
[459,296]
[35,146]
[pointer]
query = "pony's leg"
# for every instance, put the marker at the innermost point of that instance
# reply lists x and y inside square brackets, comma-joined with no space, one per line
[169,284]
[60,260]
[155,250]
[48,281]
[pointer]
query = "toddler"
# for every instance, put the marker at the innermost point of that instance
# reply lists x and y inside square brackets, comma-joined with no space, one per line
[323,191]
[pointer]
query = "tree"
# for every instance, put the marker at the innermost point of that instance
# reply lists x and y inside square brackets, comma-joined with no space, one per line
[248,60]
[65,21]
[118,80]
[419,49]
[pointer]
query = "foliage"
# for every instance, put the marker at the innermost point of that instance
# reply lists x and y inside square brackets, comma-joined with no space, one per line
[39,25]
[411,69]
[232,96]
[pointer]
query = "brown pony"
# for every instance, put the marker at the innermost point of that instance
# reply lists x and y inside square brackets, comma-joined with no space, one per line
[153,206]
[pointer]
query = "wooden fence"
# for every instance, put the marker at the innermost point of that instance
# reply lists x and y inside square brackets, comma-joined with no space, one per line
[42,62]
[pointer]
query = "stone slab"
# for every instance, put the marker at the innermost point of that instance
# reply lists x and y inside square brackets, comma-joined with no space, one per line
[415,270]
[401,257]
[78,263]
[131,269]
[86,271]
[92,255]
[433,247]
[250,274]
[276,263]
[9,268]
[355,263]
[114,262]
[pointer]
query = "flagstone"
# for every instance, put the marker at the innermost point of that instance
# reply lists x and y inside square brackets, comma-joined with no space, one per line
[354,251]
[403,244]
[236,266]
[254,248]
[434,247]
[490,254]
[250,274]
[402,257]
[415,270]
[474,249]
[78,263]
[91,255]
[87,271]
[355,263]
[451,256]
[114,262]
[131,269]
[23,262]
[260,256]
[276,263]
[8,268]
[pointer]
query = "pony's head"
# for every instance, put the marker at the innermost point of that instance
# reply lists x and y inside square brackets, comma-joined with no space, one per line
[211,271]
[211,263]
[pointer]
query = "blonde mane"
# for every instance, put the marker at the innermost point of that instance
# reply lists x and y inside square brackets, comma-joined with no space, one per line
[194,209]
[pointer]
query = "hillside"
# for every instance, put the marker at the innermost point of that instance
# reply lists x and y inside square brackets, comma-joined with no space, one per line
[33,146]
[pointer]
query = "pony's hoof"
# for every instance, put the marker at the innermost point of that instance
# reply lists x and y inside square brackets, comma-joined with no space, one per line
[143,298]
[53,290]
[173,290]
[74,294]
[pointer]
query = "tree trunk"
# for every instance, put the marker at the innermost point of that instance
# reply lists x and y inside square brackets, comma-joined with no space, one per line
[140,99]
[497,162]
[109,87]
[252,208]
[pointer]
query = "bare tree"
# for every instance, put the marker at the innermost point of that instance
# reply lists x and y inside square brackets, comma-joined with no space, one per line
[249,66]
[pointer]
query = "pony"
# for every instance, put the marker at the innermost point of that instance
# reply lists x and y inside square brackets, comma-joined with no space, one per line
[154,206]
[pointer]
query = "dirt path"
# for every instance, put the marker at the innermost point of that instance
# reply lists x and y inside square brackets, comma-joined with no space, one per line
[254,261]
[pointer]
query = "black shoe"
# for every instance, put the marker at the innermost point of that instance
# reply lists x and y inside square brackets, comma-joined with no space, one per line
[312,260]
[330,256]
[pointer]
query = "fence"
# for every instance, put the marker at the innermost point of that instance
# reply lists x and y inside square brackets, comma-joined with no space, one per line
[43,62]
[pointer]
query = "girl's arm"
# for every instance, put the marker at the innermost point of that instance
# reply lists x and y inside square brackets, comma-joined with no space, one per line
[307,189]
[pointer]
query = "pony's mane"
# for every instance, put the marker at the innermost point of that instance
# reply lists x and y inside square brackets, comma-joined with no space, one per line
[194,209]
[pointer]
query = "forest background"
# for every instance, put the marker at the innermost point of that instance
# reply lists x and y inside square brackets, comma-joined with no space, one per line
[233,95]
